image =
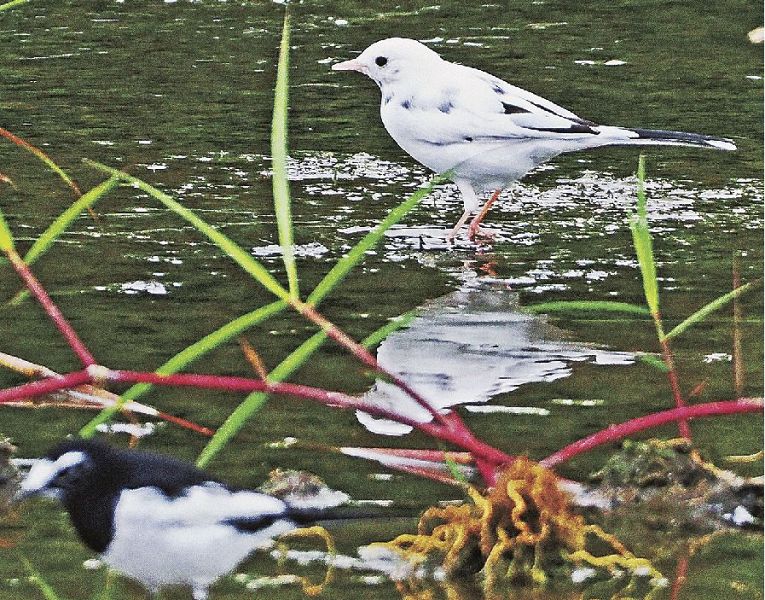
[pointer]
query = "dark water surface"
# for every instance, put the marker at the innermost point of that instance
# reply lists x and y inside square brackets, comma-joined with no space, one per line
[181,93]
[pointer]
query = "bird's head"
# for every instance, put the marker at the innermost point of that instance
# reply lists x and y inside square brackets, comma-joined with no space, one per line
[62,471]
[387,61]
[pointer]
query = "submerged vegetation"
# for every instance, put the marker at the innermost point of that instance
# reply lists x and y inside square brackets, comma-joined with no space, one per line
[520,531]
[515,527]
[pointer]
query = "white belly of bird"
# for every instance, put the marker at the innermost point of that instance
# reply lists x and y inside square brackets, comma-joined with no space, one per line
[148,545]
[487,164]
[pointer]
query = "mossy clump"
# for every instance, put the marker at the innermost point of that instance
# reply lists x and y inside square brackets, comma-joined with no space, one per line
[667,487]
[521,531]
[654,464]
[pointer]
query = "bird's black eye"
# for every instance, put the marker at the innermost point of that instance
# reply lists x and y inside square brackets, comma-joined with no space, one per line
[381,61]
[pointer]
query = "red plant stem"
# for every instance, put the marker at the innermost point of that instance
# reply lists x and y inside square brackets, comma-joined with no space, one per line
[363,355]
[58,318]
[464,439]
[218,382]
[22,143]
[617,432]
[460,437]
[45,386]
[681,574]
[186,424]
[487,457]
[247,385]
[674,384]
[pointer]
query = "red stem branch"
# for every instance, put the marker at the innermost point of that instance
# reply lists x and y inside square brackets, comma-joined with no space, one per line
[58,318]
[365,357]
[46,386]
[617,432]
[487,457]
[441,430]
[674,384]
[464,439]
[186,424]
[681,574]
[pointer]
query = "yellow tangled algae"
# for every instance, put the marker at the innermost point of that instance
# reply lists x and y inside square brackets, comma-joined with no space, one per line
[518,531]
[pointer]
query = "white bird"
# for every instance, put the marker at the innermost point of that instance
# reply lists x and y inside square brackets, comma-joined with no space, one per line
[487,132]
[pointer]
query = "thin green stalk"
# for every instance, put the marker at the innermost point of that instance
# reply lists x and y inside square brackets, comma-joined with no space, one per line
[55,229]
[11,4]
[358,252]
[641,237]
[374,338]
[35,578]
[708,309]
[231,248]
[737,351]
[587,306]
[656,362]
[280,180]
[255,401]
[256,269]
[6,237]
[186,356]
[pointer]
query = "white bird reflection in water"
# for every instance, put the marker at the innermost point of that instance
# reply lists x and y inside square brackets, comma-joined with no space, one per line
[470,346]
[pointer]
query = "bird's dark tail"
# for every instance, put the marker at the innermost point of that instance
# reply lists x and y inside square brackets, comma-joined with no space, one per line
[679,138]
[308,516]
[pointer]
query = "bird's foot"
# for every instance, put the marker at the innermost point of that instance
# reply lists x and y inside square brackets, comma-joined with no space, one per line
[479,236]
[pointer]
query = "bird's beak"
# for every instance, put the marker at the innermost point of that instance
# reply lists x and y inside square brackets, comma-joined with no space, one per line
[349,65]
[36,482]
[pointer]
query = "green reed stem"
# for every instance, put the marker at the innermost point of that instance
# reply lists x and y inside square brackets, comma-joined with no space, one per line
[280,180]
[6,237]
[641,237]
[189,354]
[49,162]
[12,4]
[36,579]
[708,309]
[59,225]
[587,306]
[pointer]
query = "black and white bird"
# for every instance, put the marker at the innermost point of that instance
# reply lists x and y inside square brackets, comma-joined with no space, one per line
[488,132]
[160,520]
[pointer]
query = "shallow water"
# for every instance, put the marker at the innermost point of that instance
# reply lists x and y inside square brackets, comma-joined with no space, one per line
[180,92]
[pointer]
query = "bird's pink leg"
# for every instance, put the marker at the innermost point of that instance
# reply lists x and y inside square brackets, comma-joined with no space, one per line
[453,233]
[473,230]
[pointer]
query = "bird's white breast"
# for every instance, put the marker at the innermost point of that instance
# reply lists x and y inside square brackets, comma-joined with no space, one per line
[185,540]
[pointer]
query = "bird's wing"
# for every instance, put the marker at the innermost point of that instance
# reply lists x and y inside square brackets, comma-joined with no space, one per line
[523,98]
[200,505]
[471,105]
